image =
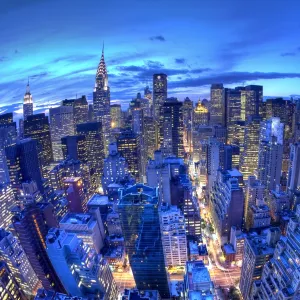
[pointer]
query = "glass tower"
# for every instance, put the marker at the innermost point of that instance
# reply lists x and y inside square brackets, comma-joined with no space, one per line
[138,209]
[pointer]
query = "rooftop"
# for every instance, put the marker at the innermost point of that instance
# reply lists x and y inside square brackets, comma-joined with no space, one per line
[71,179]
[98,199]
[70,218]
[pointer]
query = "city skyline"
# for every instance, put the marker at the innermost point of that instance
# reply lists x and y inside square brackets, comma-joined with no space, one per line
[61,63]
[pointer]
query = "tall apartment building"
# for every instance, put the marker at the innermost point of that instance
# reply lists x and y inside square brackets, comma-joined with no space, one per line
[82,271]
[258,250]
[172,227]
[14,256]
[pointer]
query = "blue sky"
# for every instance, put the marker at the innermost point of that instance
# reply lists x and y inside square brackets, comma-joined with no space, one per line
[58,43]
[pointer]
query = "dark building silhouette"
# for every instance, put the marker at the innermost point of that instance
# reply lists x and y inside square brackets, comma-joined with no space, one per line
[73,146]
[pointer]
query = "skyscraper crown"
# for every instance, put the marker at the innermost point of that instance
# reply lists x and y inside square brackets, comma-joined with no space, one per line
[101,75]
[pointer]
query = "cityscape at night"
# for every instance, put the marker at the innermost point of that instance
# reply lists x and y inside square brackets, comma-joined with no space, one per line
[149,150]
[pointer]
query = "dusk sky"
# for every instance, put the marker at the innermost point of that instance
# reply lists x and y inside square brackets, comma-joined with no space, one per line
[58,44]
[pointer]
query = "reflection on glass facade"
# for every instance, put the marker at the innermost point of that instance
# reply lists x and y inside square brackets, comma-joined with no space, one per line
[138,209]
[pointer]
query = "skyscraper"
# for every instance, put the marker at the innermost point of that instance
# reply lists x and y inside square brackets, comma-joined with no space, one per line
[74,147]
[7,202]
[80,109]
[76,197]
[82,271]
[217,104]
[61,124]
[253,100]
[294,170]
[116,116]
[27,103]
[138,209]
[31,229]
[172,128]
[37,127]
[128,144]
[201,115]
[13,254]
[101,101]
[160,92]
[23,164]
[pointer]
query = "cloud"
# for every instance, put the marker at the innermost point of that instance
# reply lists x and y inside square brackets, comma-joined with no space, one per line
[159,38]
[3,58]
[231,78]
[179,61]
[39,75]
[288,54]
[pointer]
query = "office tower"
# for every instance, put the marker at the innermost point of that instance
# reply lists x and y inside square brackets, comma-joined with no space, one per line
[9,287]
[37,128]
[91,113]
[61,125]
[101,101]
[31,229]
[279,202]
[137,115]
[86,228]
[74,147]
[249,158]
[172,128]
[201,135]
[172,227]
[294,170]
[7,202]
[280,279]
[187,116]
[94,146]
[214,149]
[115,169]
[116,116]
[82,271]
[197,281]
[296,123]
[227,203]
[14,256]
[75,194]
[254,194]
[80,109]
[251,100]
[148,96]
[138,206]
[217,104]
[128,145]
[258,250]
[236,134]
[201,115]
[160,93]
[149,137]
[8,136]
[283,109]
[259,216]
[27,103]
[144,104]
[270,153]
[23,164]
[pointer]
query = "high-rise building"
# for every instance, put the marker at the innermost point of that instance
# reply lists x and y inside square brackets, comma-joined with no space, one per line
[94,146]
[27,103]
[116,116]
[7,202]
[172,128]
[160,93]
[187,116]
[23,164]
[101,101]
[115,168]
[201,115]
[74,147]
[37,128]
[138,206]
[227,203]
[80,109]
[86,227]
[76,197]
[82,271]
[13,254]
[29,193]
[172,227]
[294,170]
[258,250]
[296,123]
[280,275]
[128,145]
[8,136]
[249,157]
[61,125]
[31,228]
[253,99]
[150,140]
[197,282]
[217,104]
[9,287]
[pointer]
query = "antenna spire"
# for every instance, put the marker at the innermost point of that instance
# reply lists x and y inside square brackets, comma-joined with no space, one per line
[103,48]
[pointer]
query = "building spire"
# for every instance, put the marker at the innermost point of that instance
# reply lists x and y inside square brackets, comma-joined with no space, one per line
[28,87]
[101,75]
[103,49]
